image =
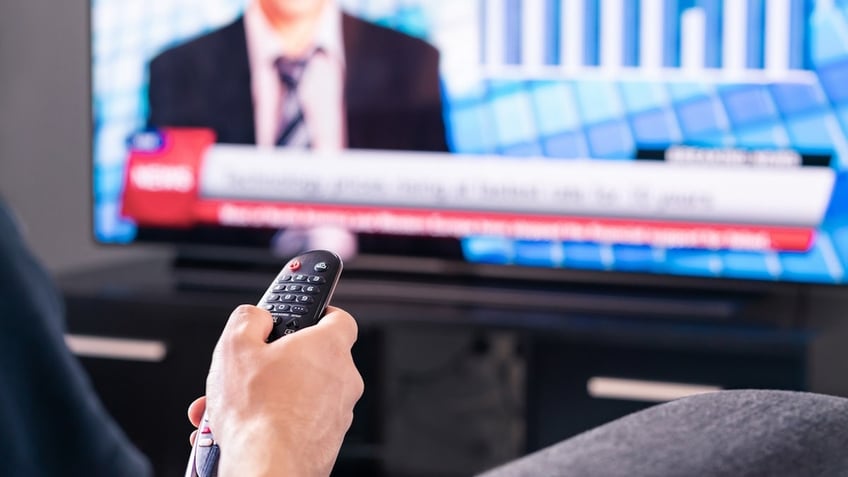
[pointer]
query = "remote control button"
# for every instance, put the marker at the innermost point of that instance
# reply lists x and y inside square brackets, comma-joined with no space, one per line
[316,279]
[285,278]
[311,289]
[294,265]
[305,299]
[279,288]
[320,267]
[279,317]
[207,442]
[269,307]
[299,309]
[294,288]
[300,278]
[282,307]
[293,324]
[288,297]
[206,430]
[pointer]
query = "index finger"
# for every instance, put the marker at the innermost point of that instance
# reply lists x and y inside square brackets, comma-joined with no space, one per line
[196,410]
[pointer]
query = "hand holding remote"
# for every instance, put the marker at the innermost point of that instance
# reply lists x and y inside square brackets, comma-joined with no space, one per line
[281,407]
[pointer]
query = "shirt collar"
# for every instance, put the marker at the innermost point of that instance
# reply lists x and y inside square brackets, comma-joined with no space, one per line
[264,44]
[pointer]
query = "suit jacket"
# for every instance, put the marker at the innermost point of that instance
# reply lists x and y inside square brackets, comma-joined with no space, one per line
[392,91]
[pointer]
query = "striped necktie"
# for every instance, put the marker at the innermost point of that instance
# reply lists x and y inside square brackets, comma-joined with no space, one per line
[293,131]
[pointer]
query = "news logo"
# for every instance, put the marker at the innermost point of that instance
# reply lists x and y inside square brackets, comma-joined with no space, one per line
[163,177]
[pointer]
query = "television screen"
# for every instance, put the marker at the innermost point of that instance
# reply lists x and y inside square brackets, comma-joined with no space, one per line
[684,137]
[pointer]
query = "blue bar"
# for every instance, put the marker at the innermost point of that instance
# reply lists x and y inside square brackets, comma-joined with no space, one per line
[671,53]
[513,32]
[712,8]
[553,30]
[592,31]
[798,46]
[631,32]
[484,33]
[756,35]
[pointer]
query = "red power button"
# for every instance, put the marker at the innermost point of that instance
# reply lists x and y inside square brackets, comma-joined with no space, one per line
[294,265]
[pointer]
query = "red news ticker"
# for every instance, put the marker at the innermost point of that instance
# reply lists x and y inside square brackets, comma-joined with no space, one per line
[470,223]
[152,199]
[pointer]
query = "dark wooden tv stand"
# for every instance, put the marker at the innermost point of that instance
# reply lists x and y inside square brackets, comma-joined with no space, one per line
[460,374]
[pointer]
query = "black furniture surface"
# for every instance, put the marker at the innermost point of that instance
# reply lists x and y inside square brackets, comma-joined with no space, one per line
[462,372]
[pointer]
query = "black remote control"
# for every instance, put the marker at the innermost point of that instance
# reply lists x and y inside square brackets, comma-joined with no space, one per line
[296,299]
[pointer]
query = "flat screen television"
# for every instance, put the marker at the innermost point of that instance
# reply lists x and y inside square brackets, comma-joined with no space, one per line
[701,138]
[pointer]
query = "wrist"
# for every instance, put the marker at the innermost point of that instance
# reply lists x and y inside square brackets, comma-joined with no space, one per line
[258,451]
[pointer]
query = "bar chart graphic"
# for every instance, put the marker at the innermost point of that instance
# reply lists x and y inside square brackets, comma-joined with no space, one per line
[694,35]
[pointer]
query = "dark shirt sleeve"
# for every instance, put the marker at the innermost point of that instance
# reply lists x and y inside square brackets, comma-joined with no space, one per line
[51,421]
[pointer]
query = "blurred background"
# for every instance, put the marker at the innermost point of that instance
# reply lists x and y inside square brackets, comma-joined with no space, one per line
[454,387]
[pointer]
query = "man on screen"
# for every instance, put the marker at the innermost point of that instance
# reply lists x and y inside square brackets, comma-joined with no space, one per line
[302,73]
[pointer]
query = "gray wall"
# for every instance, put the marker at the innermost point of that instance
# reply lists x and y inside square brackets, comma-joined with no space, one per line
[44,129]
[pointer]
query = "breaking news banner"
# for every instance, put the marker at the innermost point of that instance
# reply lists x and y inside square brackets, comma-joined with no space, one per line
[189,180]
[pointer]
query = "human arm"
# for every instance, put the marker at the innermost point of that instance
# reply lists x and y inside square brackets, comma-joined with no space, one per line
[53,421]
